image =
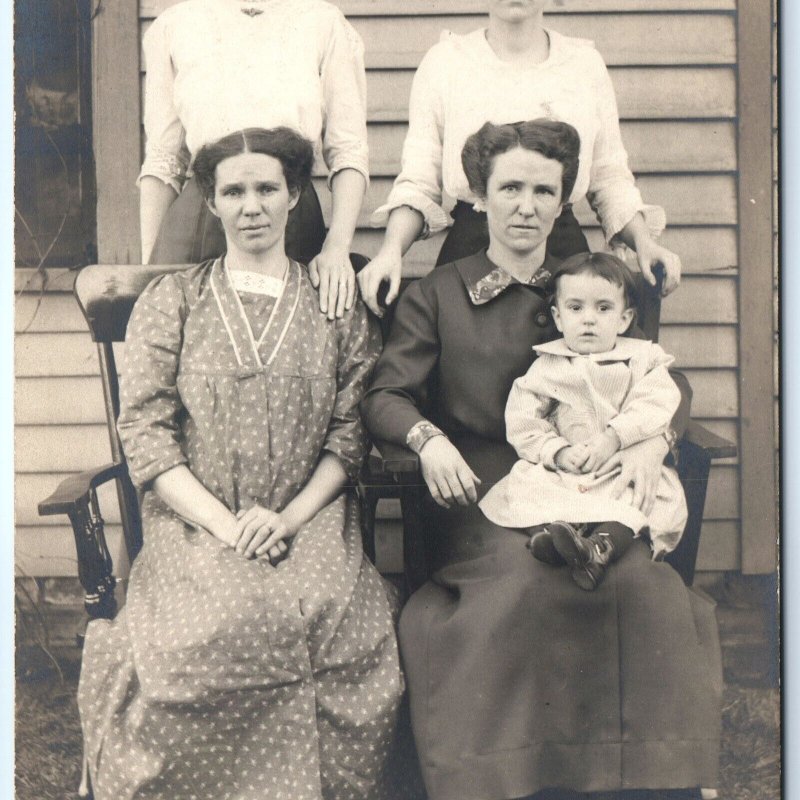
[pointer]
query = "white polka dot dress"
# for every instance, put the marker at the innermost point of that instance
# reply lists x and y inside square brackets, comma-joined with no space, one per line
[224,677]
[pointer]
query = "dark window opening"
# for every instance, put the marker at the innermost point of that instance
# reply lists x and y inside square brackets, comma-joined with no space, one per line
[54,191]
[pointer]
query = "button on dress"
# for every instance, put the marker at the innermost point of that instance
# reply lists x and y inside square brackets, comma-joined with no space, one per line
[224,677]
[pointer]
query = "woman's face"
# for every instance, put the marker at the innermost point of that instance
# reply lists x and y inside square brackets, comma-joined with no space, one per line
[523,199]
[252,200]
[515,10]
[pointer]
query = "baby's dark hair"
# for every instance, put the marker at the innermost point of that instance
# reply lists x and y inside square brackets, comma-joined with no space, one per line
[604,265]
[294,151]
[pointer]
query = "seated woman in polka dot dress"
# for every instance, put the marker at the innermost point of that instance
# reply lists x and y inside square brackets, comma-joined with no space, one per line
[256,655]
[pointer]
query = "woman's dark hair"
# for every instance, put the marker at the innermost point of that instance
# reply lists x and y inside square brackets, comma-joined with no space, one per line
[556,140]
[295,153]
[604,265]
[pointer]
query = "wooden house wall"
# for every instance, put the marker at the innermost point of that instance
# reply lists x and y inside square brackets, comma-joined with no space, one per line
[674,66]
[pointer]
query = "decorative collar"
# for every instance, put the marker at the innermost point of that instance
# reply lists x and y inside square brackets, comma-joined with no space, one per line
[624,349]
[246,348]
[485,280]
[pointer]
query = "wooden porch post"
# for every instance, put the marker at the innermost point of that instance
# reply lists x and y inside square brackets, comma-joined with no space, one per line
[757,453]
[116,130]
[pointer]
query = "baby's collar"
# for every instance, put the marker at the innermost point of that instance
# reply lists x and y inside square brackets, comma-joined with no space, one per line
[624,349]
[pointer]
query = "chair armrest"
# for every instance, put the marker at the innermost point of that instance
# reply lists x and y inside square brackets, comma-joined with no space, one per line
[394,459]
[714,446]
[71,491]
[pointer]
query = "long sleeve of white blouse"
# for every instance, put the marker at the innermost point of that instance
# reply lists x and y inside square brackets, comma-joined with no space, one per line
[166,156]
[419,184]
[344,91]
[612,191]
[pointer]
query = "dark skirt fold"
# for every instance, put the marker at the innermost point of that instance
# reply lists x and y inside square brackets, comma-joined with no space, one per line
[520,681]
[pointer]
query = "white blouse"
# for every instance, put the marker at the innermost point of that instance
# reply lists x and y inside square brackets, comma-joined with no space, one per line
[212,70]
[461,84]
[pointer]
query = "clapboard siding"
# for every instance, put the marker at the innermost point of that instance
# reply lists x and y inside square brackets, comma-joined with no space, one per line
[52,313]
[50,551]
[60,448]
[58,400]
[673,64]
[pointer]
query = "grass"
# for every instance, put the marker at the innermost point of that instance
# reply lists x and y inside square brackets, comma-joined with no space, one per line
[48,740]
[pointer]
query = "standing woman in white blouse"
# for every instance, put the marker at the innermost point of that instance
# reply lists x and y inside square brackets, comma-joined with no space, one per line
[514,69]
[217,66]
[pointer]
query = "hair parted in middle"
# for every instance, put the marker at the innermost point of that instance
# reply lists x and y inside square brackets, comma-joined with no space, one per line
[295,152]
[604,265]
[551,138]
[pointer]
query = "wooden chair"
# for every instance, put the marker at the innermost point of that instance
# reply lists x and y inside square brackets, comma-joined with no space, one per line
[390,465]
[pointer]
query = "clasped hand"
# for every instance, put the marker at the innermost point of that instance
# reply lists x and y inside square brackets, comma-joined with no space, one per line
[590,455]
[260,531]
[639,466]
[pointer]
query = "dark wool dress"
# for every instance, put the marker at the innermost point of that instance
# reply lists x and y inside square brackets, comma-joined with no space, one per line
[519,680]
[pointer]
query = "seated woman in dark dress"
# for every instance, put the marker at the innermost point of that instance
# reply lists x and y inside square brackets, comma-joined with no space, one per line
[518,680]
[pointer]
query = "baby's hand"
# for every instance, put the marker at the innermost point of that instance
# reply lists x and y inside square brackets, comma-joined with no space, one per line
[572,458]
[599,449]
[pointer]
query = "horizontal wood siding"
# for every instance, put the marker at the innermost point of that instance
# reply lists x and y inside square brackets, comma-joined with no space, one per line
[673,64]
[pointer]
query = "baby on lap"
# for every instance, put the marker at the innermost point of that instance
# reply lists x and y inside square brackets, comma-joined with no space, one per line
[585,397]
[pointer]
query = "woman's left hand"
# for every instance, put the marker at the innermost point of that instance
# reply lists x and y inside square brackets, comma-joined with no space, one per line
[650,254]
[262,531]
[332,275]
[640,467]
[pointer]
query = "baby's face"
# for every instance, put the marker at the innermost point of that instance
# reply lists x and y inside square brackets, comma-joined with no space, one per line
[590,312]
